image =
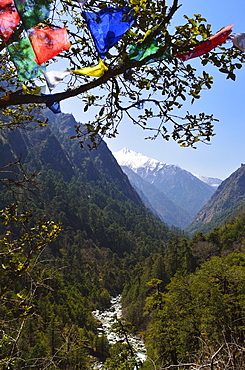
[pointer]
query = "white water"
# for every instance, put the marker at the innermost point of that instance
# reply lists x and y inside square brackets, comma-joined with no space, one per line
[107,319]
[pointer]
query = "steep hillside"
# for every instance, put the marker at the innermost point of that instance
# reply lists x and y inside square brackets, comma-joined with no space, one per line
[180,186]
[106,231]
[227,202]
[87,191]
[51,146]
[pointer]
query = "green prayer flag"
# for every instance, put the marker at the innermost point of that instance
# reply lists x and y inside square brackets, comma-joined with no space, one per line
[23,56]
[32,12]
[140,52]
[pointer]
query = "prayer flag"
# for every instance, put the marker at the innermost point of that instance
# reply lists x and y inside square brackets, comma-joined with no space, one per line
[108,26]
[96,71]
[207,45]
[48,42]
[140,52]
[238,40]
[22,55]
[54,106]
[54,77]
[9,18]
[33,91]
[32,12]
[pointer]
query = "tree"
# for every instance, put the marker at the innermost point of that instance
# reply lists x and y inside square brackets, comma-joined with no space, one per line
[199,322]
[19,256]
[138,90]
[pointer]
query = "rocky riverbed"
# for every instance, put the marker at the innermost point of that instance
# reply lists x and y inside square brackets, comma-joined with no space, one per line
[107,318]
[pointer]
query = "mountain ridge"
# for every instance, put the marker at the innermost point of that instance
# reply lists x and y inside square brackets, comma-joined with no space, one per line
[183,188]
[157,201]
[226,203]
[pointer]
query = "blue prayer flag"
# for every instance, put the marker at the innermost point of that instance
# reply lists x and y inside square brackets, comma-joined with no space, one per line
[54,106]
[108,26]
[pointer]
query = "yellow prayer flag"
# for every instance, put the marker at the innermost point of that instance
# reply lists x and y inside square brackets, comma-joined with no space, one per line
[36,91]
[96,71]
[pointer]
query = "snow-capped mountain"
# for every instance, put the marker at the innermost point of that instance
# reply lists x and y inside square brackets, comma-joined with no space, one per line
[157,201]
[183,188]
[135,161]
[212,181]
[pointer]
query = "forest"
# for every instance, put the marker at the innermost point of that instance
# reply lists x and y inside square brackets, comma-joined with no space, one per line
[73,232]
[72,237]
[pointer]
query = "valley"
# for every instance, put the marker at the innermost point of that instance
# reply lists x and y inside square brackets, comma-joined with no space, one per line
[91,229]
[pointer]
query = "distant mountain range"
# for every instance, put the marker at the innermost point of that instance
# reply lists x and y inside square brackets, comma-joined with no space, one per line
[212,181]
[226,203]
[175,194]
[157,201]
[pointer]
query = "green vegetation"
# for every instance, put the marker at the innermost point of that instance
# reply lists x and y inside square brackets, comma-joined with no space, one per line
[191,307]
[226,204]
[73,232]
[105,231]
[200,314]
[185,297]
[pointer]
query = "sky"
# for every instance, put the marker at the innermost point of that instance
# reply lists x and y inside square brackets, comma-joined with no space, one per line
[225,101]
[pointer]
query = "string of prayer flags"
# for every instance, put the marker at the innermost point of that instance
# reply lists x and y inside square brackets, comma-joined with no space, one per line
[9,18]
[48,42]
[54,106]
[238,40]
[54,77]
[96,71]
[108,26]
[32,12]
[207,45]
[139,52]
[22,55]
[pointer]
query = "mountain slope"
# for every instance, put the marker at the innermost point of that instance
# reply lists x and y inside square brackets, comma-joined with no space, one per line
[180,186]
[86,190]
[106,231]
[227,201]
[156,200]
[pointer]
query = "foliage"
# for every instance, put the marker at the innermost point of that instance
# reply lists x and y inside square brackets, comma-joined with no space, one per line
[149,95]
[151,276]
[122,355]
[105,231]
[174,315]
[19,256]
[198,313]
[46,310]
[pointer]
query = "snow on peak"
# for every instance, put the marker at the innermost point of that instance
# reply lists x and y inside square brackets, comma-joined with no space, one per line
[134,160]
[215,182]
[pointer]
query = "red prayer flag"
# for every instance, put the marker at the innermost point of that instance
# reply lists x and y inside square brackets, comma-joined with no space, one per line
[207,45]
[48,42]
[9,18]
[4,3]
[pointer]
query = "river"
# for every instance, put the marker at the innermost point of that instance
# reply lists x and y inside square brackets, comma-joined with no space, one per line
[107,318]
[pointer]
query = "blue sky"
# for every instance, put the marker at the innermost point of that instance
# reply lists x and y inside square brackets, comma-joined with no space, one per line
[225,100]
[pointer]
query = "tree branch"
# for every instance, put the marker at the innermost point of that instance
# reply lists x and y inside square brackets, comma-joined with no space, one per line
[18,98]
